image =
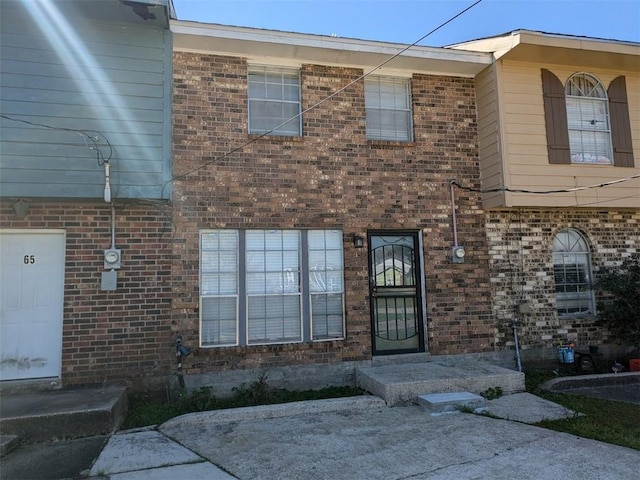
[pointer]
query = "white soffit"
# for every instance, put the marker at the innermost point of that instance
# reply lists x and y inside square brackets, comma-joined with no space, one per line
[268,46]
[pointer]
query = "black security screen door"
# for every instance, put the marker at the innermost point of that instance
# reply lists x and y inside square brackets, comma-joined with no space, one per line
[395,290]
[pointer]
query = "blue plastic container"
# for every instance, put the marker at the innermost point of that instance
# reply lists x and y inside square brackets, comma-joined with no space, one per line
[565,354]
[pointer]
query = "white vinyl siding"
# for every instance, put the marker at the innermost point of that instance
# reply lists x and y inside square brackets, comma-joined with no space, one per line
[274,101]
[271,286]
[388,108]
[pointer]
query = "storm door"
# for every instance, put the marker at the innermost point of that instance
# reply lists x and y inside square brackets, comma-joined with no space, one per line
[396,293]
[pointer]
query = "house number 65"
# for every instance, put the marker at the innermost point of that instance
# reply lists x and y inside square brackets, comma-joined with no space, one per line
[29,259]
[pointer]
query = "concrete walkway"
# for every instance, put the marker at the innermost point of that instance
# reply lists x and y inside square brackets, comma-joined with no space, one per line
[362,438]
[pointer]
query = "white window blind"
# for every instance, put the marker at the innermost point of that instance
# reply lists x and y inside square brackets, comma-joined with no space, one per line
[274,101]
[572,273]
[588,120]
[271,286]
[388,108]
[326,283]
[218,287]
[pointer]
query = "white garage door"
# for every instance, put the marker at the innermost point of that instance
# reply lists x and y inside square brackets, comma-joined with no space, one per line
[32,289]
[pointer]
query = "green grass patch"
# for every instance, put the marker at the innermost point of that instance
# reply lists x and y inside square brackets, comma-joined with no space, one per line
[608,421]
[143,411]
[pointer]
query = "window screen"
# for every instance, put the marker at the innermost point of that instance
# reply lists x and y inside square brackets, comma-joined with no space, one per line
[274,101]
[271,286]
[588,120]
[572,273]
[388,109]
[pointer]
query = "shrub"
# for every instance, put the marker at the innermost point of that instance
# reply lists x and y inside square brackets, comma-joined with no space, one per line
[619,304]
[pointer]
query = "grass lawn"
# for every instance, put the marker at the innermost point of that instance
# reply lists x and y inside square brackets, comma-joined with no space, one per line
[143,412]
[608,421]
[605,420]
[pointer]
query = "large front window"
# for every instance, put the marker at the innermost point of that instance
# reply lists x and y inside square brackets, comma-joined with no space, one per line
[270,286]
[572,272]
[588,120]
[274,101]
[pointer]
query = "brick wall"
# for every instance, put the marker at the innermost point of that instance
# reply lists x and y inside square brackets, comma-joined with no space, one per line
[520,249]
[111,336]
[331,177]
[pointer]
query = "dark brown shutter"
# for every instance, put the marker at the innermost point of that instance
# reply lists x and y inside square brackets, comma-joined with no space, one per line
[620,124]
[555,114]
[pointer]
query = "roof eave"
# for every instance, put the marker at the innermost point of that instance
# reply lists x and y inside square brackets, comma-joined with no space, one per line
[324,50]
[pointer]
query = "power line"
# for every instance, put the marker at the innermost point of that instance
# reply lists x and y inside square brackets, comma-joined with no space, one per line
[94,139]
[315,105]
[544,192]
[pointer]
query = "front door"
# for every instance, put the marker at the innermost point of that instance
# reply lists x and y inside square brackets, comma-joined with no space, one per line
[31,303]
[396,293]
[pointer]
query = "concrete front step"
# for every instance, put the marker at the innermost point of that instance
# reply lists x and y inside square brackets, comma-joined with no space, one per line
[62,414]
[439,403]
[8,443]
[401,384]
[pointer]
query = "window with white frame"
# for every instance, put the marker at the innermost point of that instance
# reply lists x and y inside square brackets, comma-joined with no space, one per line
[572,273]
[388,108]
[274,101]
[270,286]
[588,120]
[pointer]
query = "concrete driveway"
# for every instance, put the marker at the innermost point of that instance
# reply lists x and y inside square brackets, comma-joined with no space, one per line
[362,438]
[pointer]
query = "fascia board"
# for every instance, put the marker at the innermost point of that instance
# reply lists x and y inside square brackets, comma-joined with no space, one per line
[303,48]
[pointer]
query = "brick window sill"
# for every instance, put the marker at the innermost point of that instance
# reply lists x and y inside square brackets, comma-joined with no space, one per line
[275,138]
[379,144]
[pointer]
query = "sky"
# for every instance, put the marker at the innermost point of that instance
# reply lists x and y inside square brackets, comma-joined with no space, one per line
[405,21]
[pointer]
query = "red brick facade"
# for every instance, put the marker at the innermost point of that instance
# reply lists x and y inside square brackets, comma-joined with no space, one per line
[330,177]
[520,250]
[111,336]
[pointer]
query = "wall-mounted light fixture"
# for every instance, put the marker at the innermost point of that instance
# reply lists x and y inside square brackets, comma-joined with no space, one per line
[358,241]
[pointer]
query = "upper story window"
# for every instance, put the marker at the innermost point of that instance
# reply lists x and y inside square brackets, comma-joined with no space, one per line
[588,120]
[388,108]
[572,273]
[586,123]
[274,101]
[262,287]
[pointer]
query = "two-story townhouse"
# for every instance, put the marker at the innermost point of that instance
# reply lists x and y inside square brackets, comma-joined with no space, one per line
[315,226]
[85,102]
[559,130]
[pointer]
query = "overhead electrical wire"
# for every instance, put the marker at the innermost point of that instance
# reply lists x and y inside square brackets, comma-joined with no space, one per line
[544,192]
[86,134]
[315,105]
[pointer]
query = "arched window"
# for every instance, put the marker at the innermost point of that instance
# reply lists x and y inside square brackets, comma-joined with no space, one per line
[588,120]
[572,272]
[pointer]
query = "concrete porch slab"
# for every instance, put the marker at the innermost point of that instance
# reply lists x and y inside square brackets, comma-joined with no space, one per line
[400,384]
[62,414]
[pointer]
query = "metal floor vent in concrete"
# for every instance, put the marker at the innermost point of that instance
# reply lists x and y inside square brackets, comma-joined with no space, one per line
[401,384]
[451,402]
